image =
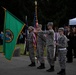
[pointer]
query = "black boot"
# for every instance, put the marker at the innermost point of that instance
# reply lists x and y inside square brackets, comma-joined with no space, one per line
[51,69]
[32,64]
[42,66]
[59,72]
[62,72]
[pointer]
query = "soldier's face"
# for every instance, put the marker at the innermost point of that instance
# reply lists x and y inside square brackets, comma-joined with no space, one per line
[49,27]
[30,29]
[60,32]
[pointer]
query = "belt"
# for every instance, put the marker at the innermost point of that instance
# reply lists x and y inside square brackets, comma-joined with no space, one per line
[62,49]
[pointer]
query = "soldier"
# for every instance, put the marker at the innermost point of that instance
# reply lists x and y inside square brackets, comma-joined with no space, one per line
[50,45]
[31,47]
[62,51]
[40,47]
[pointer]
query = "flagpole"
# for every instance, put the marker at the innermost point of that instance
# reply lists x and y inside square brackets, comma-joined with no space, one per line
[36,13]
[26,34]
[36,23]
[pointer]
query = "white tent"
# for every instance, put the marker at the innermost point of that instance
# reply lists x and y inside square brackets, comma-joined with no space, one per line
[72,21]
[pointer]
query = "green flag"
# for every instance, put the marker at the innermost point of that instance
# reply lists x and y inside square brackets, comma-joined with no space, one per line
[12,29]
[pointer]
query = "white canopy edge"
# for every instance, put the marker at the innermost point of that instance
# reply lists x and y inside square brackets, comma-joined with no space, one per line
[72,21]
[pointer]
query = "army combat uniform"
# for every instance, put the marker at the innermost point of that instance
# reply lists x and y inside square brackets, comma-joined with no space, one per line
[50,48]
[31,49]
[40,49]
[62,51]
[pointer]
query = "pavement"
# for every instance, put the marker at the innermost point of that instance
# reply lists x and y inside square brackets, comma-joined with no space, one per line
[19,66]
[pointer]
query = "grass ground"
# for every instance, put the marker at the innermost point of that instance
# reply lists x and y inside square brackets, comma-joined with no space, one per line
[1,48]
[18,45]
[21,49]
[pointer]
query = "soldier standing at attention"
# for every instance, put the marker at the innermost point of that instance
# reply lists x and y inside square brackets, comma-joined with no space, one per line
[40,47]
[62,51]
[50,46]
[31,47]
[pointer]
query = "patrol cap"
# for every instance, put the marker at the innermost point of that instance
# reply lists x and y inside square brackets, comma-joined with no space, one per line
[50,24]
[61,28]
[31,27]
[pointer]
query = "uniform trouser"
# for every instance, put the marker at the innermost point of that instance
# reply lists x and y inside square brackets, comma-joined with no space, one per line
[40,53]
[50,55]
[31,54]
[62,58]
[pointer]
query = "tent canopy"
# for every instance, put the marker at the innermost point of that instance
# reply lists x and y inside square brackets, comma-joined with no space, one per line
[72,21]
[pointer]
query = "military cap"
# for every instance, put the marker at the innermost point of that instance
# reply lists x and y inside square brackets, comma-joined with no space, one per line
[50,24]
[61,28]
[31,27]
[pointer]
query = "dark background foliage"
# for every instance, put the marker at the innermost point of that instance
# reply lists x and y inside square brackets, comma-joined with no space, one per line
[58,11]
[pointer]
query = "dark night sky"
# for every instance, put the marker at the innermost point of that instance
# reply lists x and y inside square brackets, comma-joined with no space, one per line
[1,19]
[59,11]
[13,6]
[20,8]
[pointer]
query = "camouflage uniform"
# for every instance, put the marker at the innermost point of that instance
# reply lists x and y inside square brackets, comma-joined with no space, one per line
[62,51]
[40,47]
[50,46]
[31,47]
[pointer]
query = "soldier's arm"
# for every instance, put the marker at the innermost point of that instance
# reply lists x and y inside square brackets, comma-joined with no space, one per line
[30,39]
[46,32]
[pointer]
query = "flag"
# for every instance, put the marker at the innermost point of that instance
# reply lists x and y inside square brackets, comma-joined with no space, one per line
[34,40]
[12,29]
[35,22]
[34,35]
